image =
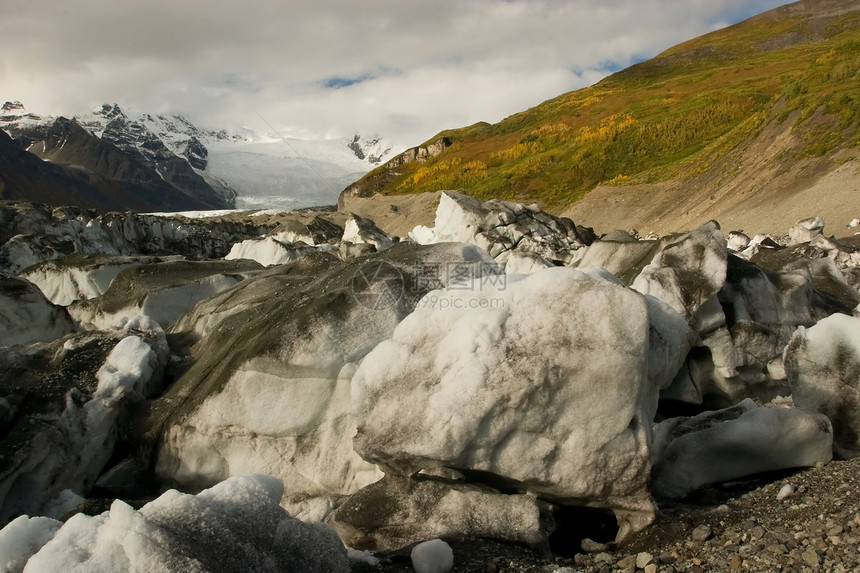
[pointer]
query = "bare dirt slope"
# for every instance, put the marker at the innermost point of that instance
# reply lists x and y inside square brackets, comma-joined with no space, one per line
[763,187]
[396,214]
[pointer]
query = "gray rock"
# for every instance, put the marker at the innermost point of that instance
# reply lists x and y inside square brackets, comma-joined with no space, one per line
[701,533]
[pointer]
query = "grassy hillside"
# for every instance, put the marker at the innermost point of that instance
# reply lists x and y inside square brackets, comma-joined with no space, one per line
[677,115]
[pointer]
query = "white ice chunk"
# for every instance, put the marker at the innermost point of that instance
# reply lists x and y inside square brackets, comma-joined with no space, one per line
[502,380]
[739,441]
[236,525]
[822,364]
[359,230]
[423,235]
[128,368]
[357,556]
[268,251]
[22,538]
[805,230]
[434,556]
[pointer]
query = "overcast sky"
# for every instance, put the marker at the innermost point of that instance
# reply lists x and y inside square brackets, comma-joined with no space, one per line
[402,69]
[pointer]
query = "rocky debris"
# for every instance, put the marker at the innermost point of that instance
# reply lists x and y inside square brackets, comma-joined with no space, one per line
[27,316]
[63,404]
[502,228]
[750,530]
[501,381]
[398,511]
[724,445]
[823,367]
[235,525]
[816,528]
[162,291]
[269,391]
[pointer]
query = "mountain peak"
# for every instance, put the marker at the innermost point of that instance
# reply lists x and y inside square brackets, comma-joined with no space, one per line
[373,149]
[15,110]
[10,106]
[110,111]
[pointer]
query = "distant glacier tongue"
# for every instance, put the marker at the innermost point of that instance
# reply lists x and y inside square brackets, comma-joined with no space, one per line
[285,174]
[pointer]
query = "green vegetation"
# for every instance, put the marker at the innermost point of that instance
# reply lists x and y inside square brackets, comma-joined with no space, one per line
[671,117]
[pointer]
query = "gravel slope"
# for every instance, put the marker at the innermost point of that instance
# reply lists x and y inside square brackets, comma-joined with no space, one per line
[741,526]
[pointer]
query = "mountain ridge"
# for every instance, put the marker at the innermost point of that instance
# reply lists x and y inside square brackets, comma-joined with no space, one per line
[250,168]
[25,176]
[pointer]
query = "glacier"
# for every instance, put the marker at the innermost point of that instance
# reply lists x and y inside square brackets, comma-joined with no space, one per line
[393,391]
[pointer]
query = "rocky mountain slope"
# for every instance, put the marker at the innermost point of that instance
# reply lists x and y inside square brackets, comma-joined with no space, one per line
[753,125]
[216,168]
[23,175]
[110,149]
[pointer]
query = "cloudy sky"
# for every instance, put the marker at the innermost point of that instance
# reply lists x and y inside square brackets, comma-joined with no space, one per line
[403,69]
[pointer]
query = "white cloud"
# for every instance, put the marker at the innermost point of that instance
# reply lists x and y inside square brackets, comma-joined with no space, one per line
[423,67]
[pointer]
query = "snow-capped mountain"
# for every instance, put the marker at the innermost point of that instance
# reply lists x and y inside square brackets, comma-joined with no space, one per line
[243,166]
[374,150]
[148,134]
[22,124]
